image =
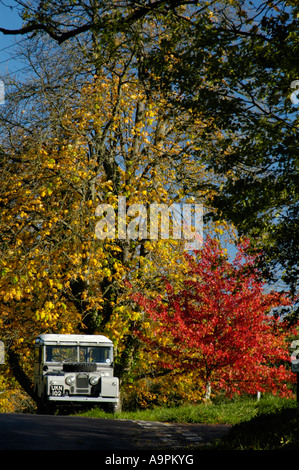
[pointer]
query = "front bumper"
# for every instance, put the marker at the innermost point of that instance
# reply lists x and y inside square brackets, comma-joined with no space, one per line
[83,399]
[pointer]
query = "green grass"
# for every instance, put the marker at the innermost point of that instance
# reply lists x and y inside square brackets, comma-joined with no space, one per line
[269,424]
[273,431]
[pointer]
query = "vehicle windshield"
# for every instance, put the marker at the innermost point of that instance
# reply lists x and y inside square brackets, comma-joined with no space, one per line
[100,354]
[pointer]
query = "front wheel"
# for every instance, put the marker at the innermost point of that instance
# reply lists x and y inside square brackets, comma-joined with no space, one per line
[45,408]
[111,407]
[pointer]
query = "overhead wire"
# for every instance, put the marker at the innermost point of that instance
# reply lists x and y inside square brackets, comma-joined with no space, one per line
[7,60]
[12,58]
[12,45]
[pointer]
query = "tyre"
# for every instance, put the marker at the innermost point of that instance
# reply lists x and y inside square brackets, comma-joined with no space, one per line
[111,407]
[79,367]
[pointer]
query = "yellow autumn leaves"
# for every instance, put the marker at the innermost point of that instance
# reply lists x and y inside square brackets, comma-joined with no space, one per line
[56,276]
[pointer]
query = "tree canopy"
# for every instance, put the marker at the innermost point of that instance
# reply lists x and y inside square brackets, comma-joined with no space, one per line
[231,62]
[167,102]
[219,326]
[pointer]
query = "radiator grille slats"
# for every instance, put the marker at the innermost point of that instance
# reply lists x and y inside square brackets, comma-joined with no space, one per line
[82,381]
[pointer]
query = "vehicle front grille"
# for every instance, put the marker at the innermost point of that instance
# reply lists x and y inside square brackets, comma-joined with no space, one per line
[82,381]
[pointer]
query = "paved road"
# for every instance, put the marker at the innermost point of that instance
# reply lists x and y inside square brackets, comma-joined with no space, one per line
[43,432]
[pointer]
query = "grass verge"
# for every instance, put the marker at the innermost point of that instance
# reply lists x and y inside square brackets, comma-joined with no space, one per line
[269,424]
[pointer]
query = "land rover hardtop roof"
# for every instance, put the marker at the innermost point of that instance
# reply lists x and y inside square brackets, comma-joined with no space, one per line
[73,339]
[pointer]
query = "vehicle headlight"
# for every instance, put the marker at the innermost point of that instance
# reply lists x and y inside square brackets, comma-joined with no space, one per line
[70,380]
[93,380]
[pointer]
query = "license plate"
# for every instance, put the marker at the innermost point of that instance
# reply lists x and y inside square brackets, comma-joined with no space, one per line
[56,390]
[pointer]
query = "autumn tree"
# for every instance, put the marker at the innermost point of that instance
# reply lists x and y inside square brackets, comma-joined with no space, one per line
[233,61]
[148,101]
[220,326]
[110,140]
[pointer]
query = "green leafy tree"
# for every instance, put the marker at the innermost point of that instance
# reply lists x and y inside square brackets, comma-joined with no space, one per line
[248,53]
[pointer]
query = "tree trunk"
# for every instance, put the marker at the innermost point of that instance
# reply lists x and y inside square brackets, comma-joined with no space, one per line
[208,390]
[19,374]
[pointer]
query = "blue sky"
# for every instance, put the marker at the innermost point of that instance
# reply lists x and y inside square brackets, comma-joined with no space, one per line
[9,19]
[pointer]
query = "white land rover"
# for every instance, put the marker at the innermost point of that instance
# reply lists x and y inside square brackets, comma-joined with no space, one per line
[70,369]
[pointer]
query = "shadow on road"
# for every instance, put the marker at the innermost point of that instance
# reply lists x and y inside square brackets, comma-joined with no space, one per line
[40,432]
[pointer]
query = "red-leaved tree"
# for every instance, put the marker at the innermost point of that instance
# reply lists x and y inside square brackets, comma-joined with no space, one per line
[220,324]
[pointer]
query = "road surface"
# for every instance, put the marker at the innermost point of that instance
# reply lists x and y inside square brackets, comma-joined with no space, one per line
[43,432]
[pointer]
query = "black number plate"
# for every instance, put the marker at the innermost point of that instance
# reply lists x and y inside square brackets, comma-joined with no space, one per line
[56,390]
